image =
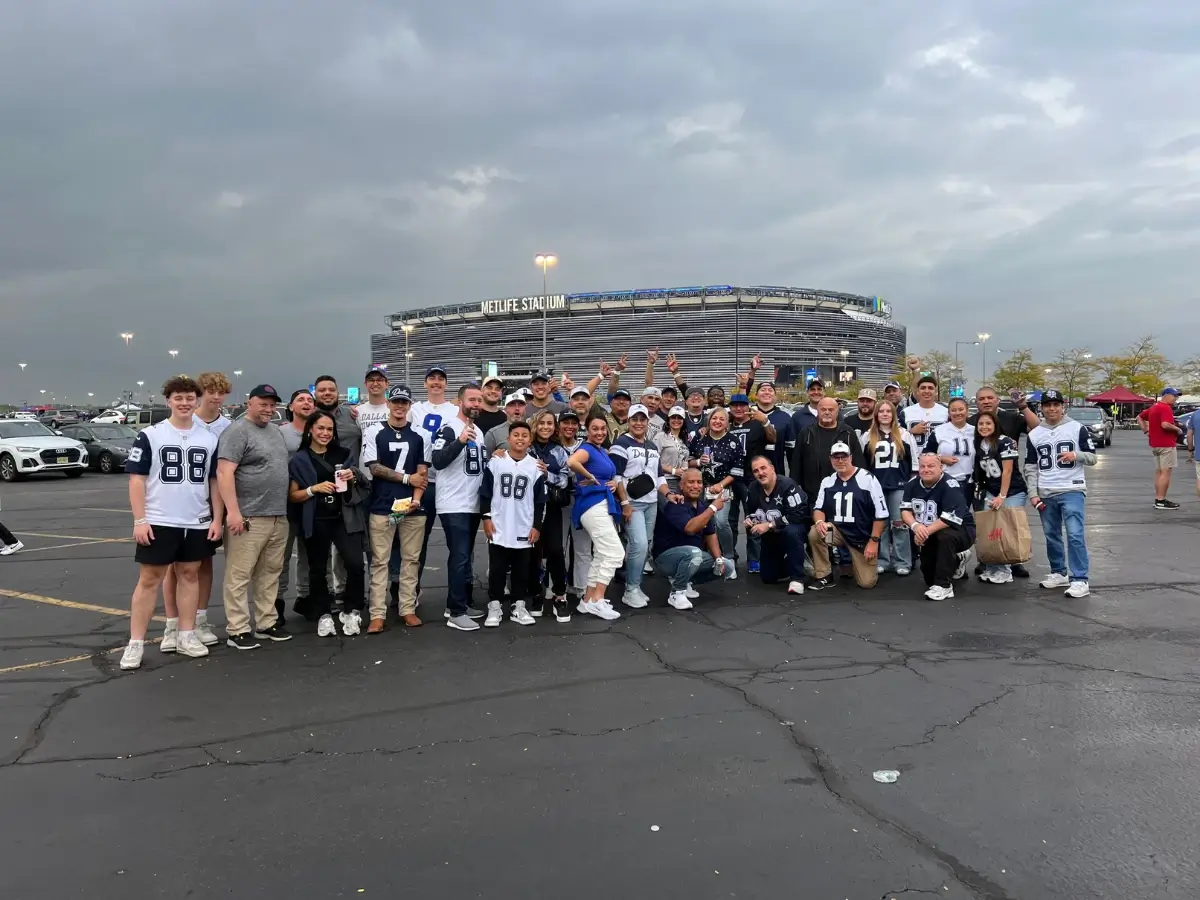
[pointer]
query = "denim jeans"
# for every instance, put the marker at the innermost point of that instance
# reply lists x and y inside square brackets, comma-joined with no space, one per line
[460,529]
[737,507]
[895,545]
[1017,500]
[682,566]
[726,535]
[638,532]
[1065,509]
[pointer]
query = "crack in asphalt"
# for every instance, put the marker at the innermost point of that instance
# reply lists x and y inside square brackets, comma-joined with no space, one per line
[931,733]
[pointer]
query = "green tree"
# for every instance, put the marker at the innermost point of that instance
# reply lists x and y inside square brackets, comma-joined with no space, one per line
[849,390]
[1074,372]
[1187,374]
[1019,371]
[1140,366]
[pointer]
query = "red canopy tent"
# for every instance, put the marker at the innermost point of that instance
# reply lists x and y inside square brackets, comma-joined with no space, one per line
[1119,394]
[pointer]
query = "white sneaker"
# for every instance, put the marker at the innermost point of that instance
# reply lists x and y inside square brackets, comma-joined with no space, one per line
[730,570]
[325,627]
[937,592]
[879,570]
[12,548]
[520,614]
[902,572]
[132,657]
[170,641]
[719,567]
[601,609]
[1055,580]
[648,568]
[189,645]
[1078,589]
[795,587]
[634,598]
[207,636]
[495,615]
[1001,576]
[679,600]
[351,622]
[690,592]
[961,572]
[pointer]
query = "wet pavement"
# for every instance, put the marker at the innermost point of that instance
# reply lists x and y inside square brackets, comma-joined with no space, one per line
[1045,746]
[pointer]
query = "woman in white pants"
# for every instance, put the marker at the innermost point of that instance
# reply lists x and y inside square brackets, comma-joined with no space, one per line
[599,500]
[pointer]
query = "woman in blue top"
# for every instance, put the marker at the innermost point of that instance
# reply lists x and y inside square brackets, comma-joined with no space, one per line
[891,454]
[549,451]
[998,478]
[599,500]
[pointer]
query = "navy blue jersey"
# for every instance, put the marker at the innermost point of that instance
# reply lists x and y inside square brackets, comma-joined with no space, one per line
[893,465]
[693,424]
[989,467]
[853,505]
[727,456]
[944,500]
[785,506]
[753,437]
[398,449]
[785,439]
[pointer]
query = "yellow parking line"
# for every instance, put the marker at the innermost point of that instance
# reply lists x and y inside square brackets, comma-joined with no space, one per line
[70,604]
[70,659]
[77,537]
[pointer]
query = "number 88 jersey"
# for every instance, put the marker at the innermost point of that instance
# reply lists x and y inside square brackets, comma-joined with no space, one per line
[179,467]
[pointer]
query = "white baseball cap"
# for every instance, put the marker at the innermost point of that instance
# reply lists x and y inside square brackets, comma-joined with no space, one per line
[638,410]
[581,390]
[677,411]
[839,447]
[514,398]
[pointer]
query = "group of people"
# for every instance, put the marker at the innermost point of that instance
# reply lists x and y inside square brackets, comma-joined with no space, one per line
[572,493]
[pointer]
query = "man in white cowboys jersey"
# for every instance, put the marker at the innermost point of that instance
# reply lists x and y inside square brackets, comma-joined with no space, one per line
[849,511]
[1055,455]
[177,513]
[427,417]
[512,501]
[457,456]
[926,414]
[937,512]
[214,389]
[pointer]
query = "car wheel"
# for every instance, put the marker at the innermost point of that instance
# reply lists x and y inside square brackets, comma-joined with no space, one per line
[8,468]
[106,463]
[73,473]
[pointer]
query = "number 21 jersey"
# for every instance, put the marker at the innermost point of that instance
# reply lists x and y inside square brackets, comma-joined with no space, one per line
[178,466]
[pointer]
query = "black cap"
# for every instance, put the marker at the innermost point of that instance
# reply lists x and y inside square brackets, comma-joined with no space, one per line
[621,392]
[399,392]
[296,394]
[763,384]
[817,381]
[1052,396]
[438,370]
[568,414]
[539,376]
[266,392]
[376,370]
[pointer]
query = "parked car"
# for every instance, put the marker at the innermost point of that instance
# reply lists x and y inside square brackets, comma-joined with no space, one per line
[110,417]
[1098,422]
[108,445]
[1183,415]
[30,448]
[56,418]
[277,417]
[142,419]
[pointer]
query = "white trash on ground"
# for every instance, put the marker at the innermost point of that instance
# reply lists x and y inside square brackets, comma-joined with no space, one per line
[886,776]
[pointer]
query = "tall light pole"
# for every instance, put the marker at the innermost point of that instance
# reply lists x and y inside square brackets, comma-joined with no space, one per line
[844,354]
[140,384]
[983,339]
[23,365]
[545,260]
[174,353]
[127,336]
[237,373]
[408,329]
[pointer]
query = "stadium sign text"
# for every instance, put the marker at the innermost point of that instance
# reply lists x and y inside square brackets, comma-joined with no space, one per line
[523,304]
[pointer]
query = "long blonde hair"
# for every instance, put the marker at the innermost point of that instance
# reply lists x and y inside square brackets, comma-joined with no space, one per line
[875,435]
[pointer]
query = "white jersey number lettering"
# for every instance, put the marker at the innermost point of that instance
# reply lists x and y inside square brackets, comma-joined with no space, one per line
[843,507]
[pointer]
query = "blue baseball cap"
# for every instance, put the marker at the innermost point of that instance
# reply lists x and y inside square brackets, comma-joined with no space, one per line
[1174,392]
[739,398]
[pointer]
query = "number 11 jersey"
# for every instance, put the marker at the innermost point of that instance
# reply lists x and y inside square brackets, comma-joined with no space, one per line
[853,505]
[178,466]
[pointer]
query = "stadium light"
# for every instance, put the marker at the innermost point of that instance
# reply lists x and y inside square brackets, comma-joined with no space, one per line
[127,336]
[174,353]
[545,260]
[983,339]
[408,329]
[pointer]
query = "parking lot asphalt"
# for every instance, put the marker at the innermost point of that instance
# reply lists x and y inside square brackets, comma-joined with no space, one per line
[1045,746]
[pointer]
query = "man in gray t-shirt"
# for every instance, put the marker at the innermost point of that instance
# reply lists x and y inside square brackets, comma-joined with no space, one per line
[252,475]
[542,398]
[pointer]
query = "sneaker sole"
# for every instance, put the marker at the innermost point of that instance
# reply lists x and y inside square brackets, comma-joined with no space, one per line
[163,649]
[192,655]
[267,637]
[242,646]
[562,618]
[519,622]
[460,627]
[491,624]
[124,668]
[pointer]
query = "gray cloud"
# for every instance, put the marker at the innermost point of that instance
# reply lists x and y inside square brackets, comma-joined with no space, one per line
[258,185]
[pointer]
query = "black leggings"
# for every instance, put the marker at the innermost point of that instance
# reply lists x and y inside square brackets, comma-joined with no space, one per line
[329,533]
[550,548]
[6,536]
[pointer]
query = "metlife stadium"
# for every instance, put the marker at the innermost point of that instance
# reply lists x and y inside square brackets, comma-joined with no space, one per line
[713,329]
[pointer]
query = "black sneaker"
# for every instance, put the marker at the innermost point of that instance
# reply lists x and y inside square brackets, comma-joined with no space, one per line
[535,606]
[562,610]
[275,633]
[981,568]
[1165,504]
[242,642]
[1019,571]
[303,607]
[819,584]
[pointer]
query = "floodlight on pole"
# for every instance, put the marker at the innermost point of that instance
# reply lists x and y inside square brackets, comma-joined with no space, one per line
[545,260]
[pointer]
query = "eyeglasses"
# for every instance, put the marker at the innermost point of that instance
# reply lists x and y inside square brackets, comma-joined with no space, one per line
[839,455]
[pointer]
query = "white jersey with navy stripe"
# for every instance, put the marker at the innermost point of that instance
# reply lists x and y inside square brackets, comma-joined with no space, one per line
[515,489]
[428,419]
[458,481]
[179,467]
[948,439]
[1044,449]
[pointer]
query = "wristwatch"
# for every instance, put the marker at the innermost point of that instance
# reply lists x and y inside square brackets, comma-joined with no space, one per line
[873,538]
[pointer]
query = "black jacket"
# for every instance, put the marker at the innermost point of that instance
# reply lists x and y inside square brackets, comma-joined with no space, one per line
[810,461]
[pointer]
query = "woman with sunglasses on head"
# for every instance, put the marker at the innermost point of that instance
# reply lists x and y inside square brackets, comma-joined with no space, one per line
[549,451]
[999,479]
[891,454]
[329,504]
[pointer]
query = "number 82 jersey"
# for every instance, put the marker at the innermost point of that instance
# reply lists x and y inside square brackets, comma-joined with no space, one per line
[179,467]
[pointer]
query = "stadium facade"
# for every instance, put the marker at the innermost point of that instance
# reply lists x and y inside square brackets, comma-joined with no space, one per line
[714,330]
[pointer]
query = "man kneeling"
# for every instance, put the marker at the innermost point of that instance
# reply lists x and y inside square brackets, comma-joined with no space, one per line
[777,511]
[850,511]
[937,512]
[685,541]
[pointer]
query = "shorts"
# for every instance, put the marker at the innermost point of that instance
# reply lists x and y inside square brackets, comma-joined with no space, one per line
[172,545]
[1165,457]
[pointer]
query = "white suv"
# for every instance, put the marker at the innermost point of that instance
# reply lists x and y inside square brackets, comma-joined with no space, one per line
[30,448]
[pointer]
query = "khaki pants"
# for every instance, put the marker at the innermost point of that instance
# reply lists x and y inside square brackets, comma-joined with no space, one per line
[865,573]
[412,535]
[253,561]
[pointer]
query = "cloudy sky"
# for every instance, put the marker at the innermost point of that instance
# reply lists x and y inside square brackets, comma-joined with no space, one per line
[258,184]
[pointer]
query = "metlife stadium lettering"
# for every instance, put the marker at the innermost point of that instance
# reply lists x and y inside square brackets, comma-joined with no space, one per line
[523,304]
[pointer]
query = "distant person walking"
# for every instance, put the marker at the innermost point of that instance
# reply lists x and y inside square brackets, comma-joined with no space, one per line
[1158,424]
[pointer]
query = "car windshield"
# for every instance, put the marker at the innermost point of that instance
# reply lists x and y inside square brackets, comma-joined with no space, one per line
[1087,415]
[113,432]
[10,430]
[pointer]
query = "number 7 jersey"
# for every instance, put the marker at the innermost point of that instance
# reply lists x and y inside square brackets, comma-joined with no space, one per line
[179,467]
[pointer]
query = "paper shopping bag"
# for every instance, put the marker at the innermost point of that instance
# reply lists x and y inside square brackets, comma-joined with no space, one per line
[1002,536]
